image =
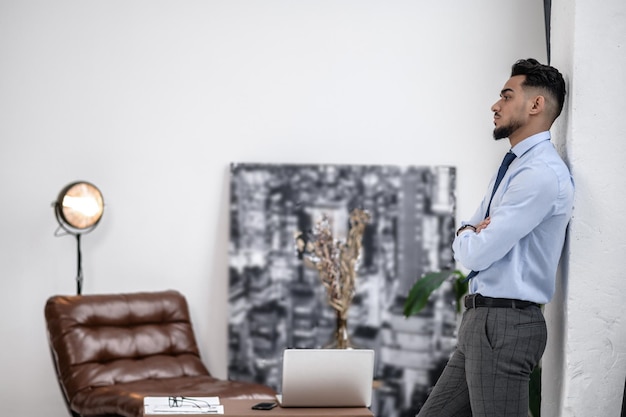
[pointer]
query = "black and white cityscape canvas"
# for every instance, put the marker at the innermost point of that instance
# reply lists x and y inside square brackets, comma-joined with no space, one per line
[276,302]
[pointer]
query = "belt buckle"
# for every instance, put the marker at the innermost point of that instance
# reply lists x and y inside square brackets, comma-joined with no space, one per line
[472,303]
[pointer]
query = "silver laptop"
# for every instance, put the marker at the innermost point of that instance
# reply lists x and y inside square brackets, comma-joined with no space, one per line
[327,378]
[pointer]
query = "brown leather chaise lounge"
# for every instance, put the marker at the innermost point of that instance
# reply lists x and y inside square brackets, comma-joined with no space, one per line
[110,351]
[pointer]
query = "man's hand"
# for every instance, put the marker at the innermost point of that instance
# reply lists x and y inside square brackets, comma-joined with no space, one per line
[482,225]
[476,229]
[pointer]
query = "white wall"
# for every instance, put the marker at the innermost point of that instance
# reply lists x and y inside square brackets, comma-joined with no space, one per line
[151,101]
[586,365]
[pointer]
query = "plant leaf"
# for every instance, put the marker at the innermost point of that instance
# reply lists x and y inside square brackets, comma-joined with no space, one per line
[534,389]
[461,287]
[422,289]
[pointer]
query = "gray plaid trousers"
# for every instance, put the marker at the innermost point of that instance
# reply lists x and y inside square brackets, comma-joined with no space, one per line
[488,374]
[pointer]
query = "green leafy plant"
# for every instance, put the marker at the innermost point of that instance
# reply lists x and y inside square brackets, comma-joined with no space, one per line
[421,291]
[534,392]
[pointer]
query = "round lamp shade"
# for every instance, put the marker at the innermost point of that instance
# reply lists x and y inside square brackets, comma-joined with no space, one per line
[79,207]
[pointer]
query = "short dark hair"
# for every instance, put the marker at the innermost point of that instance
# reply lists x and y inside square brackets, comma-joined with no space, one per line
[543,77]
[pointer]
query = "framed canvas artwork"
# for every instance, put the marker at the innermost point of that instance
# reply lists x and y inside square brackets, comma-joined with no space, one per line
[278,302]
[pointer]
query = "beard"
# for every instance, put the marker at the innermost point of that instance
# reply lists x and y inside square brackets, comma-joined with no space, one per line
[506,131]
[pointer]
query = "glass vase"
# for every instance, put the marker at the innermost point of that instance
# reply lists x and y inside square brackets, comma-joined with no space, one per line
[341,338]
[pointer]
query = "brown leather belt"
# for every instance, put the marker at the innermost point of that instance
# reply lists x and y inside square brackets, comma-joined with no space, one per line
[477,300]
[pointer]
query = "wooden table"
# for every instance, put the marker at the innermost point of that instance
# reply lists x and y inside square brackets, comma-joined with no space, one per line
[242,408]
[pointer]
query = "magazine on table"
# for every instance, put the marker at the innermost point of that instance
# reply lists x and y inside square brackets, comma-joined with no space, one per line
[182,405]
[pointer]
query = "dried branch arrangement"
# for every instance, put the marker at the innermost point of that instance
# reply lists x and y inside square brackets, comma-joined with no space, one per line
[335,261]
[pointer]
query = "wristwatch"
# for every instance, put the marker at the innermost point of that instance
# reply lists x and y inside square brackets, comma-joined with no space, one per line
[466,226]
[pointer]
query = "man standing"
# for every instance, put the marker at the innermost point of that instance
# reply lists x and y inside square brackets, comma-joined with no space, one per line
[512,243]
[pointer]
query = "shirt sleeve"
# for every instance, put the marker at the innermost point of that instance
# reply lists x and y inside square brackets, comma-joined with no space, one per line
[527,200]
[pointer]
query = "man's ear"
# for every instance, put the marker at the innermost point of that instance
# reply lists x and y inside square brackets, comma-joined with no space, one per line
[538,104]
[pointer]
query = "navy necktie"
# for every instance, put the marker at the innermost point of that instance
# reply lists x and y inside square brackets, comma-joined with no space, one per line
[508,158]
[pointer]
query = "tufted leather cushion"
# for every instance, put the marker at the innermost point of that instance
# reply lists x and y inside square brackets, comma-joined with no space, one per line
[112,350]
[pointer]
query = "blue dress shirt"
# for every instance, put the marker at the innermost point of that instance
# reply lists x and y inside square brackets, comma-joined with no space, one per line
[517,254]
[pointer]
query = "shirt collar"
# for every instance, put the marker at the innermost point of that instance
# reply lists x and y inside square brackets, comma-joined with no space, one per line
[525,145]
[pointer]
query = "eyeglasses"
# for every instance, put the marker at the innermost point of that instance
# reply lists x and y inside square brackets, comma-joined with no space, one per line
[179,401]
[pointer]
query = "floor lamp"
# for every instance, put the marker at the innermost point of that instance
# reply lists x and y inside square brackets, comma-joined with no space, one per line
[78,210]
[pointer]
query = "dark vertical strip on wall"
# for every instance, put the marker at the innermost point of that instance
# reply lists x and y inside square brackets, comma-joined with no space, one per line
[547,9]
[624,403]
